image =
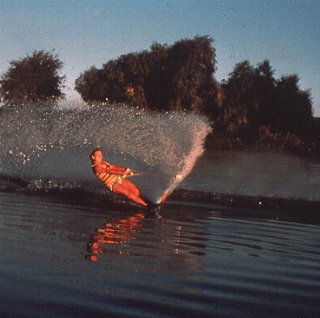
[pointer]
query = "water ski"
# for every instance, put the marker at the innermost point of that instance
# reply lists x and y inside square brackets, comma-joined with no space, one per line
[155,206]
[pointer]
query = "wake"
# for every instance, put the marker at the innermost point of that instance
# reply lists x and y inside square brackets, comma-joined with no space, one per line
[49,147]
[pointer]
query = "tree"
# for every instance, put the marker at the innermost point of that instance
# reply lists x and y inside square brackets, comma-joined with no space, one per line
[264,93]
[239,109]
[32,78]
[293,107]
[254,101]
[155,84]
[192,64]
[163,78]
[92,85]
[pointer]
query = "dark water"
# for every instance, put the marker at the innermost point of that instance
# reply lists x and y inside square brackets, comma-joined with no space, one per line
[69,249]
[59,259]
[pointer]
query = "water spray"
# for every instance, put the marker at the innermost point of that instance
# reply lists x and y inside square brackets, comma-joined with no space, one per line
[60,140]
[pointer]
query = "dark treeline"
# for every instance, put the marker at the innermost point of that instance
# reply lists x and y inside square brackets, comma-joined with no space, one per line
[256,108]
[251,108]
[163,78]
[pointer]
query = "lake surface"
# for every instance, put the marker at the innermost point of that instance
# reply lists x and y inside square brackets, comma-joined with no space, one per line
[63,256]
[70,249]
[267,174]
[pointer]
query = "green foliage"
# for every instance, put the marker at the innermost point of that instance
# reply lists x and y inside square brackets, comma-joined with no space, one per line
[192,66]
[254,102]
[163,78]
[239,105]
[32,78]
[293,107]
[98,88]
[251,106]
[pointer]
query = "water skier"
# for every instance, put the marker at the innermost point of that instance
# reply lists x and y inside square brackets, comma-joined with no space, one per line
[114,177]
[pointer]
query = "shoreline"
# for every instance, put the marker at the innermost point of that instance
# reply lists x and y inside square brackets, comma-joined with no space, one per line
[304,150]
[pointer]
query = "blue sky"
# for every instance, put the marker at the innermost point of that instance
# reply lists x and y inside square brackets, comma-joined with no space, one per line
[91,32]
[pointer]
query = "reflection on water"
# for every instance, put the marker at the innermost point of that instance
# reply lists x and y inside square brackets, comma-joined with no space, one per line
[148,235]
[190,262]
[116,232]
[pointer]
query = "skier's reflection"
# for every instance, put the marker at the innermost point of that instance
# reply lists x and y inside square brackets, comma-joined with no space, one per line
[117,232]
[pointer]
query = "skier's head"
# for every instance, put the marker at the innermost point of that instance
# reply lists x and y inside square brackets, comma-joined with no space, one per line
[96,155]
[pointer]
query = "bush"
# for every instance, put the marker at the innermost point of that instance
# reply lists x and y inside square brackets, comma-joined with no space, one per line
[32,78]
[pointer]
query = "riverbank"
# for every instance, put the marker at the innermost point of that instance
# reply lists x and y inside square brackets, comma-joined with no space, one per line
[291,146]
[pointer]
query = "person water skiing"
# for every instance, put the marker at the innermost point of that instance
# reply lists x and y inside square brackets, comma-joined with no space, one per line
[114,177]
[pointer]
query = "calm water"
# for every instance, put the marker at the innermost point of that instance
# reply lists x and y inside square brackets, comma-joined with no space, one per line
[268,174]
[59,259]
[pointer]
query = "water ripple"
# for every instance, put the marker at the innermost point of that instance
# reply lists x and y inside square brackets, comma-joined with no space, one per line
[195,264]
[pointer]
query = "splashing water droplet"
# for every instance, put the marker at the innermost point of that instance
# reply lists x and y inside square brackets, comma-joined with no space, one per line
[59,141]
